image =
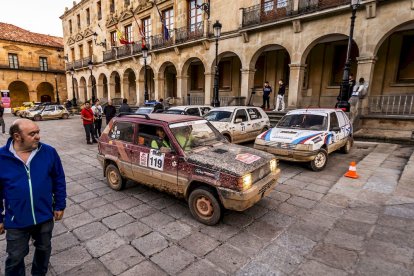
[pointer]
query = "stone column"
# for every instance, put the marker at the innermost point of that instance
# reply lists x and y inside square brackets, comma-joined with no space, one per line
[157,86]
[297,73]
[182,89]
[139,92]
[366,66]
[208,87]
[247,83]
[111,89]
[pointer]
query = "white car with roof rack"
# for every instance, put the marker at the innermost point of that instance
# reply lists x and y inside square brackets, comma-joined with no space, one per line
[308,135]
[194,110]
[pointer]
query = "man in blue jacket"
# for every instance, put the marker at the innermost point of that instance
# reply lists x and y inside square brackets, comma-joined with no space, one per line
[33,187]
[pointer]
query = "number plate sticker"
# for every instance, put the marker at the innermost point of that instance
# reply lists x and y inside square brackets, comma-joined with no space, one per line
[156,160]
[143,159]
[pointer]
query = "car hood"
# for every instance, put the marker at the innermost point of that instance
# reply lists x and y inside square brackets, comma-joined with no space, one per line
[229,158]
[292,136]
[221,126]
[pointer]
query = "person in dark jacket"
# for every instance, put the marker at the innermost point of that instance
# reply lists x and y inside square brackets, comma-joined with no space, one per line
[125,107]
[34,195]
[109,111]
[267,89]
[3,125]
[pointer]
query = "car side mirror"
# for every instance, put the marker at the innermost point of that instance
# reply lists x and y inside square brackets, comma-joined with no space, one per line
[238,120]
[336,129]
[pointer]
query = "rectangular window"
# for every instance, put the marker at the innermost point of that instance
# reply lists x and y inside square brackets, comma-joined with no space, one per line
[88,17]
[99,10]
[195,15]
[113,39]
[72,54]
[146,25]
[70,27]
[13,61]
[90,48]
[406,63]
[128,33]
[122,131]
[197,77]
[112,6]
[127,2]
[168,16]
[338,64]
[78,21]
[225,75]
[43,63]
[259,75]
[81,51]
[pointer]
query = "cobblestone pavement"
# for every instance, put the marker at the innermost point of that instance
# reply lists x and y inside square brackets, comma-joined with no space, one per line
[314,223]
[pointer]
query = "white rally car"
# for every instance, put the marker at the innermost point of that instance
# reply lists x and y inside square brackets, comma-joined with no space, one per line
[308,135]
[239,123]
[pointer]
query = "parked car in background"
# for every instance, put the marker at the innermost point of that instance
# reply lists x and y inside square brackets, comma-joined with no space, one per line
[194,110]
[239,123]
[178,154]
[308,135]
[45,112]
[19,109]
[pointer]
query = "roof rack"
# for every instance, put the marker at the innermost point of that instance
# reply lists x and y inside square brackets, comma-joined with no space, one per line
[130,113]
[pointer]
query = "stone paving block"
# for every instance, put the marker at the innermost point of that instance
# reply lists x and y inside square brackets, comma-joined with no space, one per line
[400,211]
[375,267]
[68,259]
[277,219]
[177,210]
[295,243]
[175,230]
[247,242]
[337,200]
[59,228]
[156,220]
[104,244]
[121,259]
[102,191]
[291,210]
[256,211]
[354,227]
[163,202]
[237,219]
[228,258]
[311,195]
[72,210]
[317,188]
[83,197]
[279,196]
[301,202]
[393,235]
[264,231]
[199,244]
[361,216]
[91,230]
[104,211]
[258,269]
[373,197]
[63,242]
[345,240]
[329,209]
[297,181]
[308,229]
[287,189]
[269,203]
[150,244]
[92,267]
[149,195]
[396,222]
[145,268]
[190,220]
[93,203]
[127,203]
[220,232]
[311,268]
[74,188]
[279,258]
[133,231]
[117,220]
[141,211]
[320,219]
[202,268]
[389,252]
[334,256]
[173,259]
[114,196]
[95,185]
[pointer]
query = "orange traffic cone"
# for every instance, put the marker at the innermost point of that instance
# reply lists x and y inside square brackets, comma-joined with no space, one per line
[352,171]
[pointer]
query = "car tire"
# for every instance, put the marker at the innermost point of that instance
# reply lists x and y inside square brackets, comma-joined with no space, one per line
[37,118]
[204,206]
[320,161]
[227,137]
[17,113]
[65,116]
[347,147]
[114,178]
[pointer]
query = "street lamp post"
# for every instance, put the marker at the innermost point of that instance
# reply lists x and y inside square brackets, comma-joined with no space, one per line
[90,66]
[72,72]
[57,90]
[145,55]
[345,85]
[217,32]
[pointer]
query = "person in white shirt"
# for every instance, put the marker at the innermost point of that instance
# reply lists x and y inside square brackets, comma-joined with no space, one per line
[359,92]
[97,113]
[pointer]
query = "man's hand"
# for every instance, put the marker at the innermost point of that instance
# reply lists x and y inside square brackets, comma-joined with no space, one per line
[1,228]
[58,215]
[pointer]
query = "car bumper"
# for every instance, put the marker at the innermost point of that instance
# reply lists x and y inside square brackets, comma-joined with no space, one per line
[289,154]
[240,201]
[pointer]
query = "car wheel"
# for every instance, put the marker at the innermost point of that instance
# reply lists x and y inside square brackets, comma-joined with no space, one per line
[320,160]
[37,118]
[227,137]
[347,147]
[17,113]
[114,178]
[65,116]
[204,206]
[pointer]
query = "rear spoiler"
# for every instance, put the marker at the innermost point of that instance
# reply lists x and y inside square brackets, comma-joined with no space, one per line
[134,114]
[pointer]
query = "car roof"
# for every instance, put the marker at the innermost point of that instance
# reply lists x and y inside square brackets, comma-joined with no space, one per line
[167,118]
[182,107]
[231,108]
[319,111]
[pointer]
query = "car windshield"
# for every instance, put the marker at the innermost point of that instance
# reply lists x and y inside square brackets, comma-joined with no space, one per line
[193,134]
[174,111]
[218,116]
[144,110]
[304,121]
[36,107]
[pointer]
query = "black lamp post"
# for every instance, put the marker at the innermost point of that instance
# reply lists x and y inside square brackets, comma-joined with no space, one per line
[345,85]
[90,66]
[145,55]
[72,72]
[217,32]
[57,90]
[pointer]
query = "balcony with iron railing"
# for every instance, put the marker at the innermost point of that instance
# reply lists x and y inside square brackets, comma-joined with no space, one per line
[386,105]
[123,51]
[77,64]
[32,67]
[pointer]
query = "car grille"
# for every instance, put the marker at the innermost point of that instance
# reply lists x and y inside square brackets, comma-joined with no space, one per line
[280,145]
[260,173]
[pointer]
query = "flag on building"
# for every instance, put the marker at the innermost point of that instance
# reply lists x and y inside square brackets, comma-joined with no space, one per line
[164,27]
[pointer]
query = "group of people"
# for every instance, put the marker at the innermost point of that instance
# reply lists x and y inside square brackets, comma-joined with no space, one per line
[280,101]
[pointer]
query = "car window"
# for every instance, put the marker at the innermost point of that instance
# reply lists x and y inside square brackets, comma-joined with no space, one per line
[241,114]
[218,116]
[49,108]
[334,121]
[303,121]
[148,137]
[341,118]
[193,111]
[123,131]
[204,110]
[60,107]
[144,110]
[174,111]
[254,113]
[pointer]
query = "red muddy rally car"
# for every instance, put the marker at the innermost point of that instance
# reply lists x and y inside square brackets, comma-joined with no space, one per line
[186,156]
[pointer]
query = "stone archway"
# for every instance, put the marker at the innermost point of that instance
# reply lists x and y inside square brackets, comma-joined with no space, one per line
[83,95]
[103,91]
[168,80]
[45,92]
[115,85]
[150,83]
[19,93]
[130,87]
[193,79]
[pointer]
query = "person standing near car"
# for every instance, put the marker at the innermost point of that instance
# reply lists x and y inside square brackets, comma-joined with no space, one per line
[109,111]
[267,89]
[280,101]
[3,125]
[97,113]
[33,196]
[87,119]
[360,90]
[125,107]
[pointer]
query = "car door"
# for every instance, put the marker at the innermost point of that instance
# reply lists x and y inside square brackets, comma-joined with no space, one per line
[335,132]
[345,126]
[257,121]
[121,138]
[151,166]
[240,126]
[48,112]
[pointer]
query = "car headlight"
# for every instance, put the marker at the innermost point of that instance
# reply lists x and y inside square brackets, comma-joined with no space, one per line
[303,147]
[273,165]
[245,182]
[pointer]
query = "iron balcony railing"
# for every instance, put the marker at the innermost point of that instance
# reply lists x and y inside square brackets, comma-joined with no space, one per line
[77,64]
[306,6]
[162,40]
[32,66]
[192,32]
[121,52]
[391,105]
[267,12]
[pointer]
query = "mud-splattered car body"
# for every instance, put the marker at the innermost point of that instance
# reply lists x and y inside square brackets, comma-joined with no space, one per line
[236,176]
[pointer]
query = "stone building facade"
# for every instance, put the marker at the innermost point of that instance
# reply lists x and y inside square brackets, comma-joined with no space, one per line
[32,65]
[301,42]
